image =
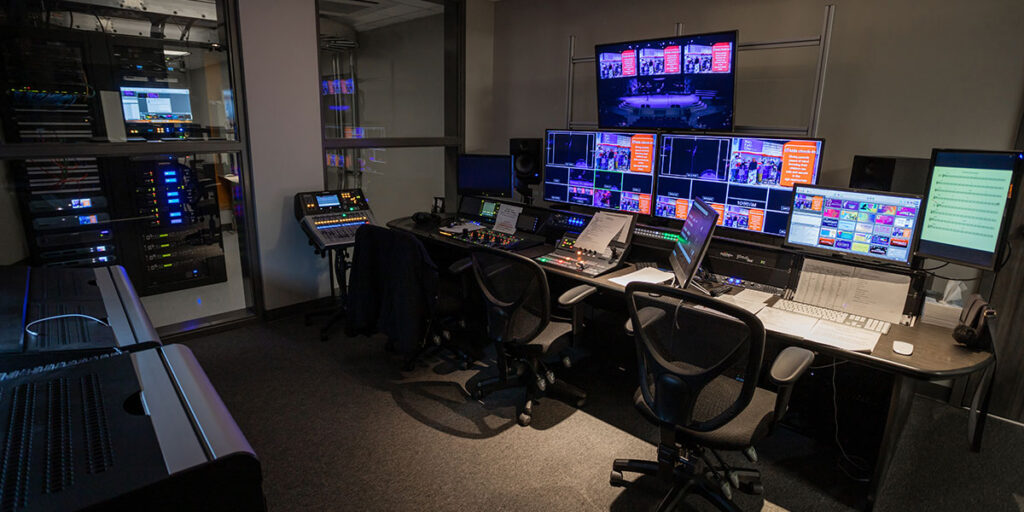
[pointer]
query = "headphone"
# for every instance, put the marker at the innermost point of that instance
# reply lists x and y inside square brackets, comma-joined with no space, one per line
[971,331]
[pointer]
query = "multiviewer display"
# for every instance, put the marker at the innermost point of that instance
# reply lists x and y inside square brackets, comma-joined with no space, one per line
[684,82]
[969,195]
[862,224]
[612,170]
[156,105]
[747,180]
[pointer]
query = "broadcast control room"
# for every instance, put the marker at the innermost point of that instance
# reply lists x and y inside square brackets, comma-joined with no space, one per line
[511,255]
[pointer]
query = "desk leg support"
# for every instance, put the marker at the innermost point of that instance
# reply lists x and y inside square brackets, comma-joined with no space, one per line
[899,409]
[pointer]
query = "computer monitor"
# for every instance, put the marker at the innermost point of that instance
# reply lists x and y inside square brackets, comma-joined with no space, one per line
[747,179]
[969,206]
[602,169]
[485,175]
[862,225]
[156,105]
[682,82]
[693,241]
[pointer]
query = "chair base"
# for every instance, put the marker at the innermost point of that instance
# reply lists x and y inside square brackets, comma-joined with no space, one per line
[713,483]
[335,314]
[557,388]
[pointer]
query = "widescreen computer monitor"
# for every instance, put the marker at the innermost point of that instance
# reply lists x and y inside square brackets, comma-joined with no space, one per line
[747,179]
[602,169]
[863,225]
[682,82]
[693,242]
[485,175]
[969,206]
[156,105]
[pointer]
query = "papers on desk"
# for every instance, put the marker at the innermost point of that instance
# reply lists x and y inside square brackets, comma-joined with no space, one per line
[753,295]
[644,275]
[843,336]
[601,230]
[855,290]
[459,228]
[508,215]
[786,322]
[752,306]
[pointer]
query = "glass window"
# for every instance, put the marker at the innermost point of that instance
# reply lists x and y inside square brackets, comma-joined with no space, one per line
[90,72]
[382,69]
[396,181]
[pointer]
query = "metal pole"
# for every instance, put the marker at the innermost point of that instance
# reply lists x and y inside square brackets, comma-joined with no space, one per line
[679,28]
[568,83]
[819,88]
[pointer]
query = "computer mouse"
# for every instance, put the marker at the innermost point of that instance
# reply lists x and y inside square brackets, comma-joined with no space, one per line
[903,348]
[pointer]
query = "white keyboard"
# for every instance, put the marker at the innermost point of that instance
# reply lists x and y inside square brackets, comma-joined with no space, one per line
[840,317]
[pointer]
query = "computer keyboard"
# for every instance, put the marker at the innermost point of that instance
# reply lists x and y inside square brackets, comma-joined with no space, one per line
[840,317]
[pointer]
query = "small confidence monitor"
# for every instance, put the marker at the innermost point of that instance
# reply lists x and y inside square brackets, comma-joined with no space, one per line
[693,241]
[156,105]
[603,169]
[863,225]
[970,201]
[748,180]
[683,83]
[485,175]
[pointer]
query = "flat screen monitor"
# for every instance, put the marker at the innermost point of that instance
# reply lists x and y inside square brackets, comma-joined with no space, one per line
[602,169]
[693,241]
[748,180]
[485,175]
[970,203]
[156,105]
[682,83]
[864,225]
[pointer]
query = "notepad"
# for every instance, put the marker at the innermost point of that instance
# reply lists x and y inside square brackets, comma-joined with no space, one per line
[644,275]
[842,336]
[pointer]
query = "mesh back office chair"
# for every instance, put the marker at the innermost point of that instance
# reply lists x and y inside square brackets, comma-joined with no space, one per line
[519,322]
[698,382]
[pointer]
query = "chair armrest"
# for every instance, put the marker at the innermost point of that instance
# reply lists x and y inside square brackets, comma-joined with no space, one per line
[790,365]
[576,295]
[647,316]
[460,266]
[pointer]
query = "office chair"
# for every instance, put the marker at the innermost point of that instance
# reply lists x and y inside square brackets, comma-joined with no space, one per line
[698,383]
[525,336]
[397,289]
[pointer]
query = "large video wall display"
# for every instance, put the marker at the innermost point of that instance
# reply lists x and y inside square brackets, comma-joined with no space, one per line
[611,170]
[748,180]
[684,82]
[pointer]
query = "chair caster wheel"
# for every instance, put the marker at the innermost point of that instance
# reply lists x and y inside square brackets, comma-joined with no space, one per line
[734,480]
[581,403]
[616,479]
[528,407]
[524,419]
[541,384]
[476,394]
[550,376]
[566,362]
[726,490]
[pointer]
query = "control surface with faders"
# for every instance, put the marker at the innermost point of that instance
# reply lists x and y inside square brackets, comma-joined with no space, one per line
[330,218]
[490,238]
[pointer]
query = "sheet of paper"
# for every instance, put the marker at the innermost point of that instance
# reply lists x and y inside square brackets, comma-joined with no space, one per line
[508,215]
[786,322]
[855,290]
[753,295]
[459,228]
[600,231]
[843,336]
[644,275]
[752,306]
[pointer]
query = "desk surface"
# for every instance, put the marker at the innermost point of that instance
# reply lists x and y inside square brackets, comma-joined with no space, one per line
[936,356]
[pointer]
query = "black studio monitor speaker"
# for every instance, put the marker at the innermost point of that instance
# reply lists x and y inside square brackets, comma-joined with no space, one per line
[890,174]
[526,159]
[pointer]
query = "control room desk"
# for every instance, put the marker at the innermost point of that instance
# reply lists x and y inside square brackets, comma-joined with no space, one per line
[935,356]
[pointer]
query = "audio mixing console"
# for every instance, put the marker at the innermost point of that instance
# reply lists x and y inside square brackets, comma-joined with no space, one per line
[331,218]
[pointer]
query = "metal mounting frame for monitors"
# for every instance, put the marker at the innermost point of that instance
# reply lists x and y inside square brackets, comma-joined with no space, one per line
[823,41]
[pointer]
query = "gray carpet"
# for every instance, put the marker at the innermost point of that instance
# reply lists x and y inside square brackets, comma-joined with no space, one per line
[338,427]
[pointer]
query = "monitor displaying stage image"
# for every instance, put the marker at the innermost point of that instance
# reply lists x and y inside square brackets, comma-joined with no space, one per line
[860,224]
[602,169]
[970,202]
[682,83]
[156,105]
[748,180]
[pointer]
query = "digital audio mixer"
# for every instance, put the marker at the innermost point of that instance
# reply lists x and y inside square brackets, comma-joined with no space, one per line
[331,218]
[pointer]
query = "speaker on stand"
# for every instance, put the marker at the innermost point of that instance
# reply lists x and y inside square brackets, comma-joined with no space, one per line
[526,161]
